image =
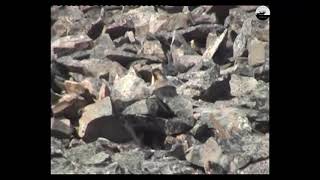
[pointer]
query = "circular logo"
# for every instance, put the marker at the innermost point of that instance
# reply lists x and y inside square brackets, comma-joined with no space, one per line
[262,12]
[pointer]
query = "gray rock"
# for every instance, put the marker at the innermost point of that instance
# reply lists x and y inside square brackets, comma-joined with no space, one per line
[69,106]
[61,127]
[240,85]
[226,121]
[239,45]
[102,43]
[237,17]
[119,28]
[168,165]
[97,121]
[63,166]
[69,44]
[57,148]
[130,160]
[261,167]
[92,67]
[122,88]
[257,52]
[148,106]
[185,62]
[98,159]
[201,131]
[124,58]
[153,48]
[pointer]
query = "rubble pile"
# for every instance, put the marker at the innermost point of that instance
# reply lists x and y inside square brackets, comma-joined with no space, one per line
[159,90]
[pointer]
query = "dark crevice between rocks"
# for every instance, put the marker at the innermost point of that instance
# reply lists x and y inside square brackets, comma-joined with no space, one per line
[221,12]
[96,30]
[218,91]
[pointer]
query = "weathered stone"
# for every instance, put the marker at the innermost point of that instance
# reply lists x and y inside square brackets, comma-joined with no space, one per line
[201,131]
[176,21]
[240,85]
[257,52]
[57,148]
[69,44]
[201,84]
[169,165]
[239,45]
[93,85]
[153,48]
[227,121]
[102,43]
[146,106]
[131,48]
[119,28]
[122,88]
[93,67]
[130,36]
[261,167]
[200,10]
[156,22]
[97,121]
[68,106]
[131,160]
[61,127]
[99,159]
[237,16]
[185,62]
[213,46]
[104,91]
[205,19]
[124,58]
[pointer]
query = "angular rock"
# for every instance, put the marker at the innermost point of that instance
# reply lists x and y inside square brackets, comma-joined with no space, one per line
[122,57]
[207,154]
[97,121]
[226,121]
[168,165]
[93,67]
[201,83]
[122,88]
[257,52]
[237,84]
[176,21]
[153,48]
[239,45]
[93,85]
[213,46]
[61,127]
[69,44]
[171,9]
[131,48]
[68,106]
[205,19]
[130,36]
[119,28]
[200,10]
[237,16]
[131,160]
[146,107]
[201,131]
[104,91]
[185,62]
[261,167]
[157,22]
[57,148]
[102,43]
[99,159]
